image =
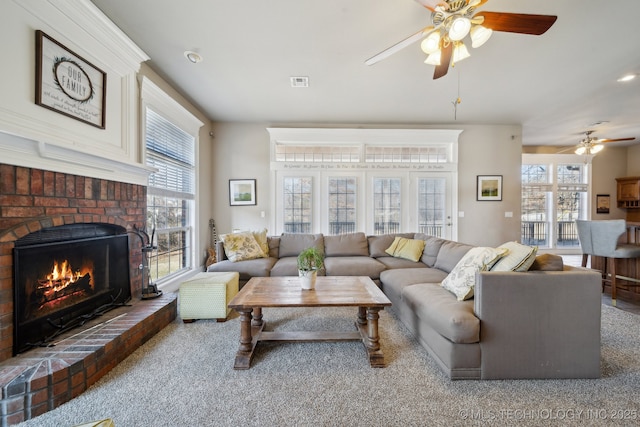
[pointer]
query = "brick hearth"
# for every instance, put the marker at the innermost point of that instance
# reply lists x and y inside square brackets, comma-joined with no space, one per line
[42,379]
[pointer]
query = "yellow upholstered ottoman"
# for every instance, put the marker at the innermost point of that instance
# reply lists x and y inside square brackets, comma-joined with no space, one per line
[206,295]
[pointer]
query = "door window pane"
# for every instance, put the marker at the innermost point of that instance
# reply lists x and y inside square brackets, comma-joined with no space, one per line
[297,204]
[342,205]
[431,206]
[386,205]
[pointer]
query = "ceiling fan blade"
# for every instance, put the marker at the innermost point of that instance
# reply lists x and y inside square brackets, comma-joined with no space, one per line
[399,46]
[521,23]
[604,141]
[445,59]
[566,150]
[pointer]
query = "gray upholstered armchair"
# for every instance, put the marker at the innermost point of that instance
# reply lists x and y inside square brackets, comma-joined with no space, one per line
[600,238]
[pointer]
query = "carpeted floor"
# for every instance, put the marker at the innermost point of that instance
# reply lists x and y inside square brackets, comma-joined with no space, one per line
[184,377]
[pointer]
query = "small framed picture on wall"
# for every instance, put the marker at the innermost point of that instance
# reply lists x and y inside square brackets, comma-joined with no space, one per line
[603,202]
[489,188]
[242,192]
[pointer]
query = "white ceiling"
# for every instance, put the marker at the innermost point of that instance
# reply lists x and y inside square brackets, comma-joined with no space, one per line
[556,85]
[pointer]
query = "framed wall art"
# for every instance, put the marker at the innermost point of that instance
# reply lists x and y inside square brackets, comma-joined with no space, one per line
[69,84]
[603,203]
[242,192]
[489,188]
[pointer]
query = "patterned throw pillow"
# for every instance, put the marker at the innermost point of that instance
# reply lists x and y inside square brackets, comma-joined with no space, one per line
[410,249]
[462,278]
[241,246]
[519,258]
[261,238]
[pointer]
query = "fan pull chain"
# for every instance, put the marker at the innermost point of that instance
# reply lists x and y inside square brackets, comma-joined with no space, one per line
[457,101]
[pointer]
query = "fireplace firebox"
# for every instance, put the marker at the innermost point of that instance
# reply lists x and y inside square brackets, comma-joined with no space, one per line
[64,276]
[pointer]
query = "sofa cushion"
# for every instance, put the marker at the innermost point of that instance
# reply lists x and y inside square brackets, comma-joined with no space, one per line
[547,262]
[450,254]
[241,246]
[260,267]
[410,249]
[286,266]
[393,262]
[462,278]
[352,244]
[291,244]
[379,244]
[431,248]
[519,258]
[394,281]
[274,246]
[353,266]
[452,319]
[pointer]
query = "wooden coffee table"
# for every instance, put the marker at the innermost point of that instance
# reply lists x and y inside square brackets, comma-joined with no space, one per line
[330,291]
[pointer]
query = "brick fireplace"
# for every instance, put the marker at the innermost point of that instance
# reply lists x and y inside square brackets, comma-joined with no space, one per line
[32,200]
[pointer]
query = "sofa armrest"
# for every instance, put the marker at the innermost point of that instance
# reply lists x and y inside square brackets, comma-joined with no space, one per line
[539,324]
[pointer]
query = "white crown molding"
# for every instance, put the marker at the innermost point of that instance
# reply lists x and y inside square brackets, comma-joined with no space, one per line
[93,28]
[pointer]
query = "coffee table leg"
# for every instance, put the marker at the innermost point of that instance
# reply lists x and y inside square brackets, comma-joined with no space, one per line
[368,326]
[373,339]
[257,316]
[362,315]
[245,351]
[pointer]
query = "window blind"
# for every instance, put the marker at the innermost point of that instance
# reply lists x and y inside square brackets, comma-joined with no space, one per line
[171,151]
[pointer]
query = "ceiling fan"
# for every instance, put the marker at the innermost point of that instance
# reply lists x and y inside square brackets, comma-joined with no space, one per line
[591,145]
[452,21]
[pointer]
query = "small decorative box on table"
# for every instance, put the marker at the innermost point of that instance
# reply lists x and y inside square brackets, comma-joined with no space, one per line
[206,295]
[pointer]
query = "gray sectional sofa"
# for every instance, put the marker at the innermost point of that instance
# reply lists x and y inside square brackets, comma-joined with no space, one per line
[531,324]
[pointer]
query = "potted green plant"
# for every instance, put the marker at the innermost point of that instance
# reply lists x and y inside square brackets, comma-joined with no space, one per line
[310,261]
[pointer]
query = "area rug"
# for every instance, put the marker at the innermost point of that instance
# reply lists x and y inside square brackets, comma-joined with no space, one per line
[184,377]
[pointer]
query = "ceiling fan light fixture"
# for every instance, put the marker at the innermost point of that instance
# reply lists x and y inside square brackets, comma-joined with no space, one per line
[460,52]
[627,78]
[459,28]
[596,148]
[434,58]
[480,35]
[431,43]
[581,150]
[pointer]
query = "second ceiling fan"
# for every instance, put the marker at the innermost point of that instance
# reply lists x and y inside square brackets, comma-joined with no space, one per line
[453,20]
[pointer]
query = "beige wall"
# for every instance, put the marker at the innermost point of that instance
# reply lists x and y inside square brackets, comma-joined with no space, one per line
[241,151]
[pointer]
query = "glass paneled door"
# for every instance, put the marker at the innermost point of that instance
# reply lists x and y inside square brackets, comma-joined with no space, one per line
[434,218]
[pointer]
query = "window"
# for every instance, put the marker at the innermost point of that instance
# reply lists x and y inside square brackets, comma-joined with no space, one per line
[554,195]
[386,205]
[337,181]
[170,148]
[297,204]
[342,205]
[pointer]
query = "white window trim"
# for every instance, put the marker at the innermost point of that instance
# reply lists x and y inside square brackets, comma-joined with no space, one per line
[364,171]
[156,99]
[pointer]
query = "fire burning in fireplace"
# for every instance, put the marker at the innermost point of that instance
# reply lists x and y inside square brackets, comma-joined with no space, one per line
[63,281]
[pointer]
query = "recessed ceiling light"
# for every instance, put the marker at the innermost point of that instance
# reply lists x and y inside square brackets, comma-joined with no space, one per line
[192,56]
[627,78]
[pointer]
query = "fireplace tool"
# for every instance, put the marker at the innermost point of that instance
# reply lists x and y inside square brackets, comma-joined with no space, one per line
[149,289]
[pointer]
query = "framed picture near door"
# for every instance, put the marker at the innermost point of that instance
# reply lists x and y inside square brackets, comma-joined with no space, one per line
[489,188]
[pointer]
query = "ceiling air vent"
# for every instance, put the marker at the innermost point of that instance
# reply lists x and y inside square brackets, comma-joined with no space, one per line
[301,81]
